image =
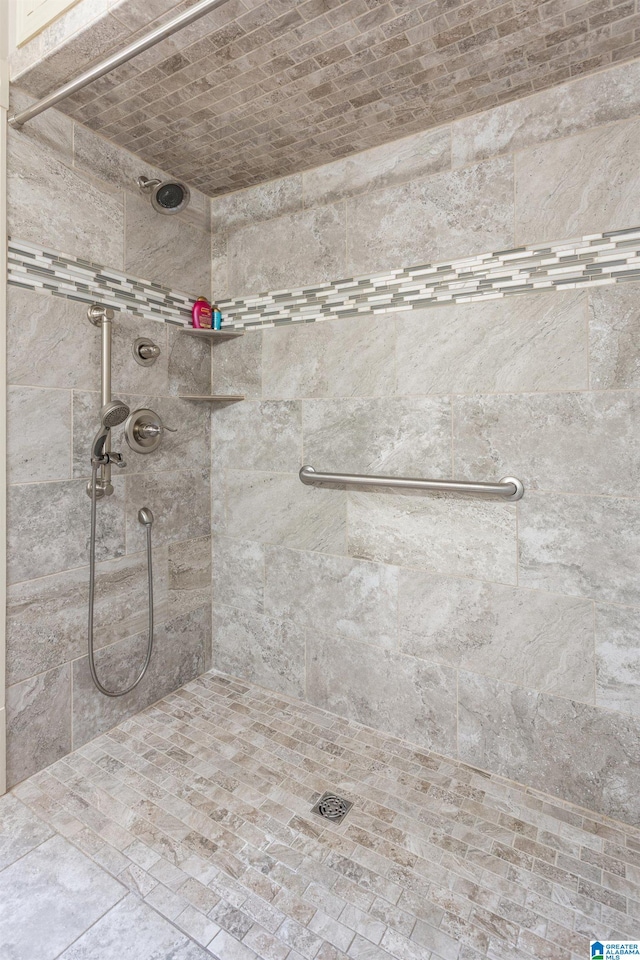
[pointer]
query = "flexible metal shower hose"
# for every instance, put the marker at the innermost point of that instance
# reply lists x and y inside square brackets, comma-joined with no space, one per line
[92,590]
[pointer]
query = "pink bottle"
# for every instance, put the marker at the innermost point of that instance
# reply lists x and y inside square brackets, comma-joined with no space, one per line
[201,314]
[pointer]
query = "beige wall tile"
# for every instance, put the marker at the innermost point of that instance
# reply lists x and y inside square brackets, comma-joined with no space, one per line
[581,546]
[50,342]
[618,658]
[582,185]
[237,365]
[179,500]
[542,641]
[294,250]
[277,508]
[47,528]
[448,215]
[238,574]
[536,739]
[614,337]
[389,435]
[440,534]
[408,159]
[260,435]
[38,723]
[39,434]
[349,598]
[549,115]
[189,576]
[334,358]
[400,695]
[564,442]
[267,201]
[532,342]
[261,649]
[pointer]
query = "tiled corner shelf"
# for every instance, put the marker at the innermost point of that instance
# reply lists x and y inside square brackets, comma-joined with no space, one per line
[213,335]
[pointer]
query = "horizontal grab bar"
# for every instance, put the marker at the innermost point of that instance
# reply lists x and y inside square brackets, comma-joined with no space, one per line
[509,488]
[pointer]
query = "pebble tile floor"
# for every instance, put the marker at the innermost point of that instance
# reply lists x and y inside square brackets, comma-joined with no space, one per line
[185,833]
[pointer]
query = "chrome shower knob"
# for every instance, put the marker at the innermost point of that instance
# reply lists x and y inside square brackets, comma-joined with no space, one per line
[145,351]
[144,430]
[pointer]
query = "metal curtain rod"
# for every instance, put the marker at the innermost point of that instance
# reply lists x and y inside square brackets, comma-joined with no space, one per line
[509,488]
[115,60]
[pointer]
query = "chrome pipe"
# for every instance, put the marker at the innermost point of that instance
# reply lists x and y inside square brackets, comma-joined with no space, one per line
[116,60]
[509,488]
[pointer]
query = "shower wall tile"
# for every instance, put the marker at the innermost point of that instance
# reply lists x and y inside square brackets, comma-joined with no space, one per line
[189,577]
[411,158]
[180,653]
[167,249]
[387,435]
[50,342]
[49,202]
[499,631]
[38,722]
[236,366]
[276,508]
[536,739]
[270,652]
[549,115]
[265,201]
[533,342]
[348,598]
[128,376]
[400,695]
[298,248]
[573,442]
[581,546]
[189,364]
[117,667]
[48,528]
[451,214]
[238,574]
[179,501]
[38,434]
[47,617]
[614,338]
[618,658]
[258,435]
[581,185]
[330,359]
[438,534]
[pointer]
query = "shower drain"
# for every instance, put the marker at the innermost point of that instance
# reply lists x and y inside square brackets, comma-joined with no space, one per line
[332,807]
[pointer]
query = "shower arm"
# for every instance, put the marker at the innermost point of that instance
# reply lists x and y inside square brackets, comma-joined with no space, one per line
[116,59]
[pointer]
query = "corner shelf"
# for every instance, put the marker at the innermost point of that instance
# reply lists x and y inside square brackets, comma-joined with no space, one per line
[212,335]
[225,398]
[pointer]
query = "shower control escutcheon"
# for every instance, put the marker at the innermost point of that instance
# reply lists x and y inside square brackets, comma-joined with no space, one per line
[145,351]
[144,430]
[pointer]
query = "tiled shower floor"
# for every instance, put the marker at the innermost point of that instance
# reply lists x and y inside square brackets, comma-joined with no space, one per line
[186,833]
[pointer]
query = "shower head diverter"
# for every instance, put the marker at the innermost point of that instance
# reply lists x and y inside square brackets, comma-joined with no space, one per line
[113,413]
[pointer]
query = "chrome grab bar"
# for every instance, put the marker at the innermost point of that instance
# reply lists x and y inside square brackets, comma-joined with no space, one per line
[509,488]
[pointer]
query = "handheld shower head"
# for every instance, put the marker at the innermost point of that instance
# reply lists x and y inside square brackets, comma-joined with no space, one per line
[111,415]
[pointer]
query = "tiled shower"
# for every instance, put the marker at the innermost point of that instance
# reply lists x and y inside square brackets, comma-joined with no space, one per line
[459,300]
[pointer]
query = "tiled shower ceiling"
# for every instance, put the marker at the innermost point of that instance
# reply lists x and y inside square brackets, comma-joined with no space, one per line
[260,90]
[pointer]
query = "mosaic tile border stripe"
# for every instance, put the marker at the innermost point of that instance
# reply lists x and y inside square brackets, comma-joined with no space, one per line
[37,268]
[594,260]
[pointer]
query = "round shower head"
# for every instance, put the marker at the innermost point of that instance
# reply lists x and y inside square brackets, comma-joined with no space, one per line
[167,196]
[113,413]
